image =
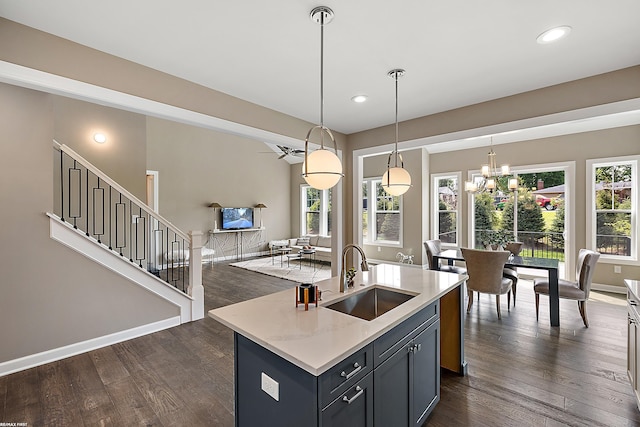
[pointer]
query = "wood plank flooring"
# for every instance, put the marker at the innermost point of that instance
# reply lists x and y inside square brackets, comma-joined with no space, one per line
[521,372]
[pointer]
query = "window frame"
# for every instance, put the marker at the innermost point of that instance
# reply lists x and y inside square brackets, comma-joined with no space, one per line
[323,211]
[591,226]
[372,211]
[435,213]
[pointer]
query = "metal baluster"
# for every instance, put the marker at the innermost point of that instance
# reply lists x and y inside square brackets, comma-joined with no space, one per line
[61,185]
[75,172]
[98,195]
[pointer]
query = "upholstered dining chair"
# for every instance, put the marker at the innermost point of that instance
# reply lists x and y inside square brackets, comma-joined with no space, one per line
[578,290]
[514,248]
[433,247]
[484,269]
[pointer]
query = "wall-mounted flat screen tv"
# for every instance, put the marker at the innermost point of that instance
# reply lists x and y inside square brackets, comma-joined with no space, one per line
[237,218]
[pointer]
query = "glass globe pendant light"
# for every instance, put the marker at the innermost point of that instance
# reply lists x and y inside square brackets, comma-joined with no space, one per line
[396,180]
[322,168]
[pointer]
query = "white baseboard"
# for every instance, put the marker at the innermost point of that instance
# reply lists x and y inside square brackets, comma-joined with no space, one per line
[609,288]
[52,355]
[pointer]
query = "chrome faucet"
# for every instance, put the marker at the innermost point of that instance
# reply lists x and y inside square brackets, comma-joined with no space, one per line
[343,272]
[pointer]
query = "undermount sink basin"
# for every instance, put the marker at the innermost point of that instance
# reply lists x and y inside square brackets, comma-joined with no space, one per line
[370,304]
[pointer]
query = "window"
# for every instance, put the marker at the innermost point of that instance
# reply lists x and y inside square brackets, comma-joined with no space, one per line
[381,221]
[613,201]
[316,211]
[446,223]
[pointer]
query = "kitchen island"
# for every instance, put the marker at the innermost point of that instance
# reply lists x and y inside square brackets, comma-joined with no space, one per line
[325,367]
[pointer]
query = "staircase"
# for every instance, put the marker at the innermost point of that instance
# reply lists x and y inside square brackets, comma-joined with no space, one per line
[98,218]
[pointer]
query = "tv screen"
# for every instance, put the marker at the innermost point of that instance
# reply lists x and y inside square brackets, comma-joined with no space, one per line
[237,218]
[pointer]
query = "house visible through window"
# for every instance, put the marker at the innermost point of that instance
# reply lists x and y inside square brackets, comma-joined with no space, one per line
[316,211]
[381,221]
[614,190]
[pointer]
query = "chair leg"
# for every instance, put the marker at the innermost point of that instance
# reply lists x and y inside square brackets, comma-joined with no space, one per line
[514,291]
[498,305]
[470,295]
[537,305]
[582,306]
[509,300]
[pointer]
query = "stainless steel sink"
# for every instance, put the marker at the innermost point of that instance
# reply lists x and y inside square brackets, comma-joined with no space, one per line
[370,304]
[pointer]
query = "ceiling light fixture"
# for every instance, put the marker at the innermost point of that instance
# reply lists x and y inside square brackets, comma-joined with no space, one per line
[359,98]
[396,180]
[490,175]
[322,168]
[100,138]
[553,34]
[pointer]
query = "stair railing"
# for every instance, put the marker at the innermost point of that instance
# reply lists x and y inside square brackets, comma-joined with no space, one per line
[90,201]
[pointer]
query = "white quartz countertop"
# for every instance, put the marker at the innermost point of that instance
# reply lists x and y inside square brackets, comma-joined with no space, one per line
[633,286]
[317,339]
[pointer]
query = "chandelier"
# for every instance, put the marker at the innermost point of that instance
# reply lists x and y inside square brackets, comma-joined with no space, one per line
[490,174]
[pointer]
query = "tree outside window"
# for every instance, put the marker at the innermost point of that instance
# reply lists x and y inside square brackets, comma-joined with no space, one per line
[381,219]
[316,211]
[312,213]
[387,215]
[613,208]
[447,213]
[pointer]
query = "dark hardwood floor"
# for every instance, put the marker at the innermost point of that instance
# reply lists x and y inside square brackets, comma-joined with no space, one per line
[521,372]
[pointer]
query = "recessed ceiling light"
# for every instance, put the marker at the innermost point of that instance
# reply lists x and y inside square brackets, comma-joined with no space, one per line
[553,34]
[100,138]
[359,98]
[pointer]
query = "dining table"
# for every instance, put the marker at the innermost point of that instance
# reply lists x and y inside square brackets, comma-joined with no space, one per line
[548,264]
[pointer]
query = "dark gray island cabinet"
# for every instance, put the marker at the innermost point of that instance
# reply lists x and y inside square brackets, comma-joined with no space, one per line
[393,381]
[334,365]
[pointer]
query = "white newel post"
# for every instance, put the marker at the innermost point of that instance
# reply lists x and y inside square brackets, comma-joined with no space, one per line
[196,290]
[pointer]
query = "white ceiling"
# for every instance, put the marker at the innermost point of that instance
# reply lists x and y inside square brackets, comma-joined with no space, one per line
[455,52]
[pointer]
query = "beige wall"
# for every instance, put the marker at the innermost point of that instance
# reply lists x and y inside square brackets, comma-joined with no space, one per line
[596,90]
[412,231]
[35,49]
[199,166]
[122,157]
[51,295]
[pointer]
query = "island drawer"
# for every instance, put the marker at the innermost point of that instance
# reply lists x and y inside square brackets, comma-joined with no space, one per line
[387,344]
[338,379]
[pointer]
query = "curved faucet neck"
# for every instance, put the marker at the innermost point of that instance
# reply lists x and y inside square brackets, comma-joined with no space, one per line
[343,271]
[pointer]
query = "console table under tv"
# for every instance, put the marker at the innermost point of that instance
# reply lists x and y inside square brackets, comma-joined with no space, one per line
[236,240]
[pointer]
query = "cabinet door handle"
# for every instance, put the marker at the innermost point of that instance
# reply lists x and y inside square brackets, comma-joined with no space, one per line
[356,369]
[415,348]
[355,396]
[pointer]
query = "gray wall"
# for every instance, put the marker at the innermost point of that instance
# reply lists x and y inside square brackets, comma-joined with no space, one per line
[51,295]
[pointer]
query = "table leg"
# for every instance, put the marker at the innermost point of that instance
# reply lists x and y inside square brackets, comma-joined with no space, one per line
[554,298]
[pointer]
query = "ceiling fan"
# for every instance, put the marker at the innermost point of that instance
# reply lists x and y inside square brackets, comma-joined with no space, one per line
[289,151]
